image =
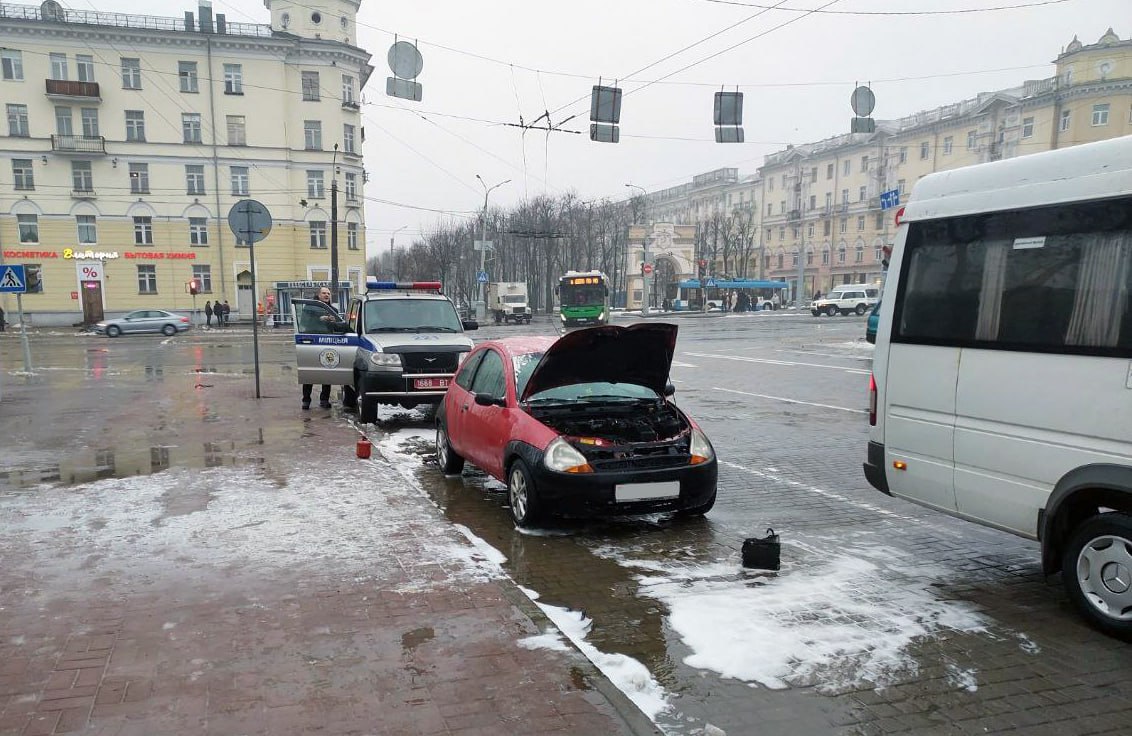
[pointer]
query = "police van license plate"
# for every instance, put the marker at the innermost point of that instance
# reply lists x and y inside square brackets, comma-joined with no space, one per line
[430,383]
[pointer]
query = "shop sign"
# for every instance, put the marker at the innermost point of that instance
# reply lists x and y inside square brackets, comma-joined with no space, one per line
[308,284]
[90,271]
[89,255]
[37,254]
[150,256]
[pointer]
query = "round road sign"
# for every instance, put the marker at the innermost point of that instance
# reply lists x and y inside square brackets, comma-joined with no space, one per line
[646,268]
[250,220]
[405,60]
[863,101]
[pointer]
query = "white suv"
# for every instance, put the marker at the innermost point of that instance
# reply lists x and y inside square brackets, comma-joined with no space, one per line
[857,299]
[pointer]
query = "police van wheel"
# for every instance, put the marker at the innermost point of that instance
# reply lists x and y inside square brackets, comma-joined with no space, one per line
[367,410]
[449,461]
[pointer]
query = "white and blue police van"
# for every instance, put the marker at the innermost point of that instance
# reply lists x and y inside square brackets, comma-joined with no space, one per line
[399,344]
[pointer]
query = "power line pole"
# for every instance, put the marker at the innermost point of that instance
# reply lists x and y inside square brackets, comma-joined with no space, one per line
[481,310]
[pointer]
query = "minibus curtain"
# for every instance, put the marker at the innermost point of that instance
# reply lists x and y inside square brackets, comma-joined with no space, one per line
[1102,291]
[994,283]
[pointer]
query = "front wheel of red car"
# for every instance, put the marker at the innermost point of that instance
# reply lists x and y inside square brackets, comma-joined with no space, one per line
[521,495]
[450,463]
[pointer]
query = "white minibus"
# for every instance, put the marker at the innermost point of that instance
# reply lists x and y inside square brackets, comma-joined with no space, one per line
[1002,380]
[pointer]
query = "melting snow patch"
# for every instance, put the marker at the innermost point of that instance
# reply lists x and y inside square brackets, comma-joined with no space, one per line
[961,678]
[550,640]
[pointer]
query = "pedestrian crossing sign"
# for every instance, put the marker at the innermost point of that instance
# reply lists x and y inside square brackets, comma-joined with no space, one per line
[12,280]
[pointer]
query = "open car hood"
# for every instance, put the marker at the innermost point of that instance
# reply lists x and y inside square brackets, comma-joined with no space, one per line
[640,354]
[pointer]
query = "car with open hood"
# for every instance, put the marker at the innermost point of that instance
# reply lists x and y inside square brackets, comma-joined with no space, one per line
[582,425]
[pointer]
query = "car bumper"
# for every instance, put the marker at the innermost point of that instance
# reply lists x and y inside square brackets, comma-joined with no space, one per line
[397,388]
[594,494]
[874,468]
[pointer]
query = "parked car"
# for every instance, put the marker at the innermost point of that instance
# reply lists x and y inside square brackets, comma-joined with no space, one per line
[144,320]
[579,426]
[846,299]
[871,325]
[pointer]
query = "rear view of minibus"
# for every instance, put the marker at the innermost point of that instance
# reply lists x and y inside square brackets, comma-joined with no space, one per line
[1002,383]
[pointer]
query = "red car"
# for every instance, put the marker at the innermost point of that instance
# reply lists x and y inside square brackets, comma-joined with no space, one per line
[578,426]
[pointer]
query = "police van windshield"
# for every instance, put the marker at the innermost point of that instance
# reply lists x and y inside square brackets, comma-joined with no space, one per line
[411,315]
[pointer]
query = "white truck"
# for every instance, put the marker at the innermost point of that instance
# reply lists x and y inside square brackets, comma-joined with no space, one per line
[507,302]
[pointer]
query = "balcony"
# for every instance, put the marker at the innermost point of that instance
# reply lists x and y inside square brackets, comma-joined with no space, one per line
[794,215]
[78,144]
[83,193]
[73,90]
[350,105]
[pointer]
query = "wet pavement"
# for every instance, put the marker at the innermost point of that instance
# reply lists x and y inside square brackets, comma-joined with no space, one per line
[885,617]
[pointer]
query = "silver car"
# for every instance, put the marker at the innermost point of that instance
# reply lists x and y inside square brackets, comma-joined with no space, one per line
[144,320]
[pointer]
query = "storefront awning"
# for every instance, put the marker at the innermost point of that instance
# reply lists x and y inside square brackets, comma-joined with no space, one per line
[736,284]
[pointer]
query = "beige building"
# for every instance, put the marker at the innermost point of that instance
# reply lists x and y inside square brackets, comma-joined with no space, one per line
[818,205]
[128,139]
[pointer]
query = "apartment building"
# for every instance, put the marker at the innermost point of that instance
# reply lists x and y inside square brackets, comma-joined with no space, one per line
[130,137]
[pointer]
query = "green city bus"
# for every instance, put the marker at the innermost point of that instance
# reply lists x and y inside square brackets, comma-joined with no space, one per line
[583,298]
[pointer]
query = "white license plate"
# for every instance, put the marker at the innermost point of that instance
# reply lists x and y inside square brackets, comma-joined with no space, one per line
[646,491]
[429,383]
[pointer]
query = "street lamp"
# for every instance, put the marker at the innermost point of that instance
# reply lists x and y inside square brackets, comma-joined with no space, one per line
[392,260]
[481,308]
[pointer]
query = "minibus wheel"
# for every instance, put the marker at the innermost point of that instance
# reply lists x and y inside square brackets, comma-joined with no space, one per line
[1097,569]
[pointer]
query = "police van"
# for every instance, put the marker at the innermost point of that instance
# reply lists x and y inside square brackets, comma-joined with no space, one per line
[1002,379]
[400,344]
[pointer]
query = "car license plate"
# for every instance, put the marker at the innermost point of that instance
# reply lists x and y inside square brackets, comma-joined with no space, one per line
[430,383]
[646,491]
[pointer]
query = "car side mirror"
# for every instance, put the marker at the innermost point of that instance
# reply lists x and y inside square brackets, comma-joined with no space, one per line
[489,400]
[669,390]
[471,324]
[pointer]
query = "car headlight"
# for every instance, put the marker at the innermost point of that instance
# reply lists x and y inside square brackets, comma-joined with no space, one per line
[562,457]
[460,357]
[562,317]
[385,360]
[700,449]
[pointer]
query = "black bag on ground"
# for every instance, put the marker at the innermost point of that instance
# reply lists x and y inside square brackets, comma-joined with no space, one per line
[762,553]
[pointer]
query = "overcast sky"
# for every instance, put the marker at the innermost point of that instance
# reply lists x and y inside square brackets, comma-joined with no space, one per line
[796,79]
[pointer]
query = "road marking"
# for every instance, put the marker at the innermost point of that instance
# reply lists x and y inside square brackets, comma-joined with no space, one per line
[780,362]
[789,401]
[678,364]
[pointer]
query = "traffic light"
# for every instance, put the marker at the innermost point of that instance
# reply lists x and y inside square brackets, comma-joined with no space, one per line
[194,287]
[703,268]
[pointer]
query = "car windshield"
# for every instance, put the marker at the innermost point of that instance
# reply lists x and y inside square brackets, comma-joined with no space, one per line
[411,315]
[594,391]
[580,296]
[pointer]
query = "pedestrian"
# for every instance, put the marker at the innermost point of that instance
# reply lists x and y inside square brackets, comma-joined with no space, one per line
[3,324]
[334,324]
[227,311]
[208,313]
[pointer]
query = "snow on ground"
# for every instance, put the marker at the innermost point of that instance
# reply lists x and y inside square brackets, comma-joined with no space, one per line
[837,623]
[627,674]
[861,345]
[550,640]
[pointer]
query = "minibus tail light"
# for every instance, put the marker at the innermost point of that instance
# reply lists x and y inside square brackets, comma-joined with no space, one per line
[872,400]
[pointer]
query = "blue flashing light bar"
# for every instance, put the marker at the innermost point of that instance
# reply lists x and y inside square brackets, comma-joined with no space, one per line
[375,285]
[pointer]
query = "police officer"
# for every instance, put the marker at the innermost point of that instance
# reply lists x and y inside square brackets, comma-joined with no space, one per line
[334,324]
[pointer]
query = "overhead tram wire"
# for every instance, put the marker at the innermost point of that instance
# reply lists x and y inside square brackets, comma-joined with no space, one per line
[889,13]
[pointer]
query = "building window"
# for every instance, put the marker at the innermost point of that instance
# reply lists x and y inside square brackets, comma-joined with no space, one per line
[84,65]
[769,208]
[810,230]
[859,253]
[901,185]
[784,181]
[864,164]
[82,178]
[844,225]
[64,124]
[310,86]
[139,178]
[147,279]
[348,89]
[58,66]
[1100,114]
[827,226]
[1027,127]
[194,178]
[925,150]
[860,223]
[203,276]
[187,71]
[972,140]
[237,130]
[233,79]
[351,187]
[813,201]
[143,231]
[948,143]
[825,256]
[1064,124]
[240,180]
[814,175]
[131,73]
[318,234]
[316,188]
[33,273]
[903,154]
[12,65]
[841,254]
[862,194]
[352,235]
[190,127]
[312,135]
[782,207]
[28,227]
[88,229]
[829,171]
[880,221]
[23,174]
[348,139]
[845,167]
[135,125]
[878,253]
[845,196]
[770,184]
[89,117]
[198,231]
[809,257]
[794,258]
[781,259]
